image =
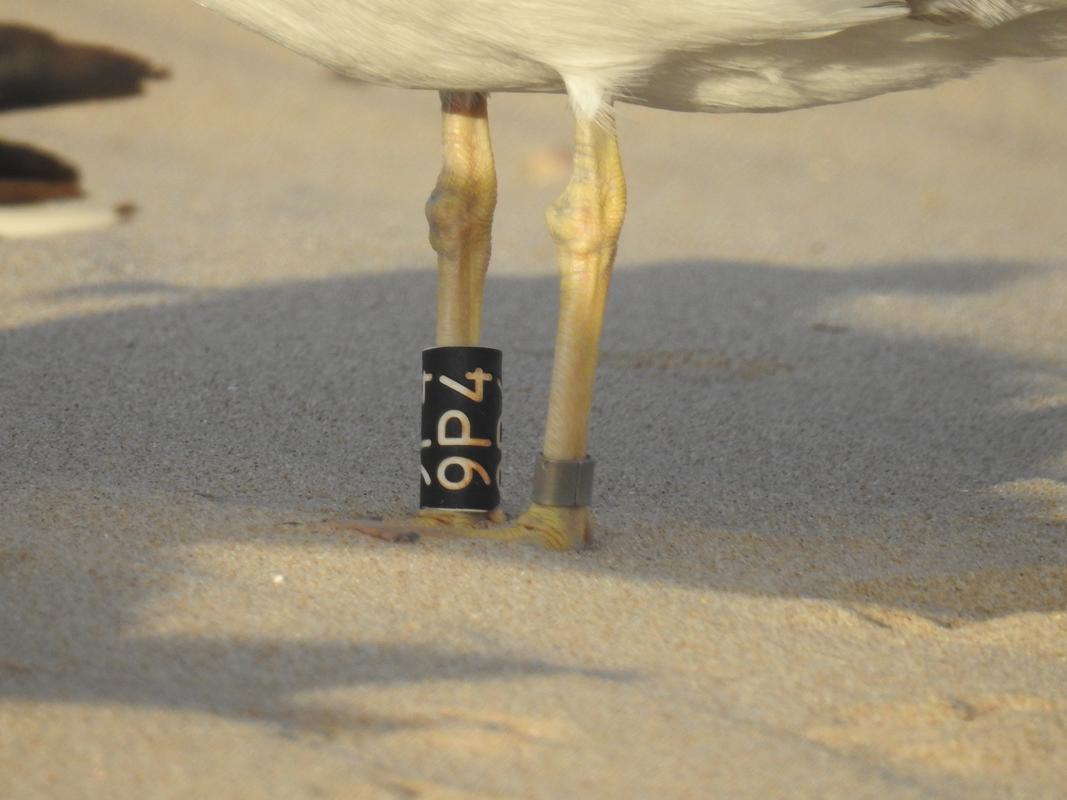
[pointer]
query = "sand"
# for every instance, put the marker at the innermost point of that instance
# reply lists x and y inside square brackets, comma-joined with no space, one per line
[831,559]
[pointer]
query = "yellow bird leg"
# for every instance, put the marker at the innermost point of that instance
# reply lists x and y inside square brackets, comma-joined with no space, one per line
[585,222]
[460,213]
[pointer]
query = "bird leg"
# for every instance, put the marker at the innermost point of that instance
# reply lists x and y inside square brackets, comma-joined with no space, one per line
[460,213]
[585,222]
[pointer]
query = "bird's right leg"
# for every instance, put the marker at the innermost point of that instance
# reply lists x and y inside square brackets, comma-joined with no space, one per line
[460,213]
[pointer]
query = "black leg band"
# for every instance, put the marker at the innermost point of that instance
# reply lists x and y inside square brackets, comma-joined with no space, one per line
[461,408]
[565,484]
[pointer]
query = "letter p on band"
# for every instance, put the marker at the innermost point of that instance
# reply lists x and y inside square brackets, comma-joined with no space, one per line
[461,410]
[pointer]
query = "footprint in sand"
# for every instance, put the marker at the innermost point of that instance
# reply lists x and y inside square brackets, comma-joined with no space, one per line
[997,735]
[459,733]
[473,733]
[486,735]
[1043,499]
[403,789]
[956,599]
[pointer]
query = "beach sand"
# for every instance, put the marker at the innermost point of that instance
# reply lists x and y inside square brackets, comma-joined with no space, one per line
[831,554]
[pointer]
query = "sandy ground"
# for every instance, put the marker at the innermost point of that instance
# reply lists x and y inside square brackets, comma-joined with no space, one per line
[831,558]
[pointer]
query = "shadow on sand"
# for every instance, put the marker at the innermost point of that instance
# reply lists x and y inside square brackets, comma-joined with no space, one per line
[747,444]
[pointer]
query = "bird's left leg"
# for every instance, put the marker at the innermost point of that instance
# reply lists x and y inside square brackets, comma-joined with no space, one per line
[585,222]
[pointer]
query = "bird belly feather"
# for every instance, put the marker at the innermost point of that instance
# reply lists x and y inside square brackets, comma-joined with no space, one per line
[688,55]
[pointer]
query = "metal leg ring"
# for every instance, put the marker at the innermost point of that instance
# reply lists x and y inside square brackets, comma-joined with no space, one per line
[566,484]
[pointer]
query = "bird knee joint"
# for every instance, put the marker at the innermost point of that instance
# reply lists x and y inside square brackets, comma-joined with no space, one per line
[445,213]
[455,215]
[582,228]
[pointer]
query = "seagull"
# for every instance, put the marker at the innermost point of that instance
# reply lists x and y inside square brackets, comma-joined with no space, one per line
[713,56]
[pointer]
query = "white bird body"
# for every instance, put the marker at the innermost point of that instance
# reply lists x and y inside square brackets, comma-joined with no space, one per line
[682,55]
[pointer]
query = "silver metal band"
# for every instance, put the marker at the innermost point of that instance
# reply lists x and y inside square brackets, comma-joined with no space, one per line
[566,484]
